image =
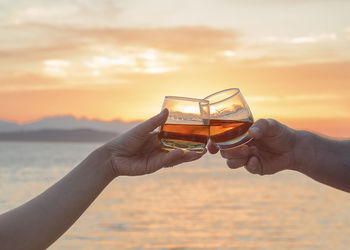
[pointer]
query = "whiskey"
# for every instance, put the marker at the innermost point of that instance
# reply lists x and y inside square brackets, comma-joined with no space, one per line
[185,136]
[229,133]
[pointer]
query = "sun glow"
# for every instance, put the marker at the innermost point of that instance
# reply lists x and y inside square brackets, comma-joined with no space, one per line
[118,59]
[56,67]
[131,60]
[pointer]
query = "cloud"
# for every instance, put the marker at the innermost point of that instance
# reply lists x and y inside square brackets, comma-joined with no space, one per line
[347,33]
[80,13]
[317,48]
[11,81]
[292,1]
[136,61]
[184,39]
[312,38]
[319,80]
[56,67]
[37,53]
[177,39]
[189,40]
[96,51]
[295,98]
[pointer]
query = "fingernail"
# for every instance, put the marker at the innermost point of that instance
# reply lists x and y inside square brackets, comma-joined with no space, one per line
[164,111]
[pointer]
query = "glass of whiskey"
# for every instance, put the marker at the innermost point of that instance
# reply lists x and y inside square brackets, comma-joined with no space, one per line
[230,118]
[187,126]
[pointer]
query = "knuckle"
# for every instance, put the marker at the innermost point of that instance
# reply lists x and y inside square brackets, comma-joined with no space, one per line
[261,122]
[273,123]
[276,123]
[253,150]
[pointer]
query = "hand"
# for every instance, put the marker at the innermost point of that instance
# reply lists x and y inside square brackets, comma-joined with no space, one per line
[139,152]
[270,151]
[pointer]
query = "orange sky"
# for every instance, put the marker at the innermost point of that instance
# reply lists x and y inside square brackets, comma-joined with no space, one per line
[118,59]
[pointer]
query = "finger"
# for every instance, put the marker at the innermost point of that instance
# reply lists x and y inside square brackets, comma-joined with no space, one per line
[170,157]
[191,156]
[236,163]
[265,127]
[237,152]
[254,150]
[212,148]
[254,166]
[152,123]
[184,157]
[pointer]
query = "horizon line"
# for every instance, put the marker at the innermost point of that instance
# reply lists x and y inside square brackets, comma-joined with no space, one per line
[70,115]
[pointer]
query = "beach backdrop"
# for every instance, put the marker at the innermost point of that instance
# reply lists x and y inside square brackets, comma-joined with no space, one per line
[74,74]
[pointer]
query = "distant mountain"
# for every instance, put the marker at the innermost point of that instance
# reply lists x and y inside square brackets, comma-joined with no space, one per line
[67,123]
[54,135]
[8,126]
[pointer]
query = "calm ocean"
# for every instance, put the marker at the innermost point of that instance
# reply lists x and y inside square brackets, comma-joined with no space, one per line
[198,205]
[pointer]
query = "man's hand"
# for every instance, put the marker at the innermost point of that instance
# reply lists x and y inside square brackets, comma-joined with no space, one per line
[270,151]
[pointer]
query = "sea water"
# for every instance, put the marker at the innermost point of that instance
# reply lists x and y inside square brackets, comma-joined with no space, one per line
[197,205]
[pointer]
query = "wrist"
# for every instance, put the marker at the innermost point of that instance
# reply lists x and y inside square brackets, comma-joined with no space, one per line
[103,160]
[303,148]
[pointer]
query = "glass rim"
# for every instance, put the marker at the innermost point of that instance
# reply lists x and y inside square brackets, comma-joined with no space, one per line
[237,91]
[190,99]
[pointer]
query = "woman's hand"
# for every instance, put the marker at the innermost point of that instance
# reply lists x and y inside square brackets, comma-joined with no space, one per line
[139,152]
[270,151]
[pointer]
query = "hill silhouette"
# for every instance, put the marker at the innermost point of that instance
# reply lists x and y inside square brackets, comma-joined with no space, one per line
[55,135]
[67,123]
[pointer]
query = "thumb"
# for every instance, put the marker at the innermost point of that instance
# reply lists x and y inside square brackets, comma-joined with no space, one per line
[265,128]
[152,123]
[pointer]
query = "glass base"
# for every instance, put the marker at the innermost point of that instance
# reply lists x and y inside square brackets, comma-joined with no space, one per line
[177,144]
[234,142]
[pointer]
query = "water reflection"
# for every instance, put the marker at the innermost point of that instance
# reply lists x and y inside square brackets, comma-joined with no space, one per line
[198,205]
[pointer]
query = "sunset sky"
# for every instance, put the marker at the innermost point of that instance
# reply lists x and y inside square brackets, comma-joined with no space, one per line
[118,59]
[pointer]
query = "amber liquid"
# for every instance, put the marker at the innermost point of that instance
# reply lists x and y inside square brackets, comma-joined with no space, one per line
[229,133]
[184,136]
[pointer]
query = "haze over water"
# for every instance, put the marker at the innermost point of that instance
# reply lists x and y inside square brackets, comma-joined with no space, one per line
[202,204]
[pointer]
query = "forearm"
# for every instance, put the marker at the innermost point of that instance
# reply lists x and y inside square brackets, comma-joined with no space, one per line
[42,220]
[323,159]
